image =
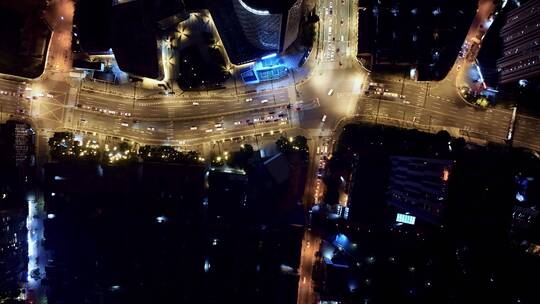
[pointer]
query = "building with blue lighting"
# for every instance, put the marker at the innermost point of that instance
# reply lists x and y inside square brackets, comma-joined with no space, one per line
[268,68]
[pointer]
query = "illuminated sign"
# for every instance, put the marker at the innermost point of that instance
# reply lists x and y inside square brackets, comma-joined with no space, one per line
[405,218]
[445,175]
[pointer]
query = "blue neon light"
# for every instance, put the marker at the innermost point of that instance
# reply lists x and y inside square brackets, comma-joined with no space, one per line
[269,56]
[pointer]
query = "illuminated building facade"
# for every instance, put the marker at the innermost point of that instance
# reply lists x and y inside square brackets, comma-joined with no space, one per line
[521,43]
[269,25]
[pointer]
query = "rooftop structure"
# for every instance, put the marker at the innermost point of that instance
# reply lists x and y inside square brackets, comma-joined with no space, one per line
[269,25]
[425,35]
[419,186]
[127,28]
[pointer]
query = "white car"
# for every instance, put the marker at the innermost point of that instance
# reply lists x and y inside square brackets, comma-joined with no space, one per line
[124,124]
[208,130]
[195,103]
[218,125]
[193,128]
[330,92]
[249,99]
[323,118]
[264,101]
[151,129]
[236,123]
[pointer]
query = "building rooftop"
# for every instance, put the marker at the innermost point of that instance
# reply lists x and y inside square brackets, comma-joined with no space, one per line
[272,6]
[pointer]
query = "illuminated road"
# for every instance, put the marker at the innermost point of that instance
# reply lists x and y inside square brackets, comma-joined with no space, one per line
[331,70]
[310,245]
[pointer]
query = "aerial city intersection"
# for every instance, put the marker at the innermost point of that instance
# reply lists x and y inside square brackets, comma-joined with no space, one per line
[331,84]
[212,79]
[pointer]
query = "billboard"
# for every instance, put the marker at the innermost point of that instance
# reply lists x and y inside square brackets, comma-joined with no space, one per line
[405,218]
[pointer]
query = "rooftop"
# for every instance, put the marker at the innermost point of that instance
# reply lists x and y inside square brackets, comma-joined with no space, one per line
[272,6]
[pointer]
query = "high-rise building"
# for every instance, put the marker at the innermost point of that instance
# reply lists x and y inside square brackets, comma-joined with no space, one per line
[521,43]
[14,149]
[269,25]
[419,186]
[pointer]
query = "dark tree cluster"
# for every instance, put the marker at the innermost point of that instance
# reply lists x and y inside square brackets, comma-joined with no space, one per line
[167,154]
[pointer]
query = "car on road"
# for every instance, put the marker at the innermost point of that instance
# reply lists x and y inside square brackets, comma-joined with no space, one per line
[124,124]
[249,99]
[151,129]
[264,101]
[193,128]
[208,130]
[330,92]
[236,123]
[195,103]
[323,118]
[218,125]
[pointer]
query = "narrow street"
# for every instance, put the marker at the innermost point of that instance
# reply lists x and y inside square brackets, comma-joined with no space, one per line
[37,256]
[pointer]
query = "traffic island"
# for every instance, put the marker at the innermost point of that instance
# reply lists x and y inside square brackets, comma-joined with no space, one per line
[472,88]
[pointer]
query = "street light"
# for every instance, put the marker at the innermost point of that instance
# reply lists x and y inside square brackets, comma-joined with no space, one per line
[230,70]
